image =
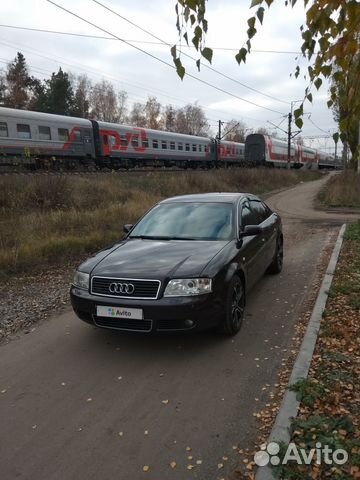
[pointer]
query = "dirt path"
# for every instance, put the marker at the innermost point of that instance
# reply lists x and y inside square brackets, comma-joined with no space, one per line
[79,403]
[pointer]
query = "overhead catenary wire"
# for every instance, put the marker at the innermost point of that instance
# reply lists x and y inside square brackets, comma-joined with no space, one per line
[102,37]
[187,55]
[204,82]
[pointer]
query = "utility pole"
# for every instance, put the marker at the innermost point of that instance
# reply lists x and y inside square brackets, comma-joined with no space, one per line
[289,140]
[217,143]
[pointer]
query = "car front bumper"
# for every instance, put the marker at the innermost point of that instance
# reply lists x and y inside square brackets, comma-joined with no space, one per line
[161,315]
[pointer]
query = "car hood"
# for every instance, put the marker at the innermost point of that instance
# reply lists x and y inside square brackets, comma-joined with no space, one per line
[158,259]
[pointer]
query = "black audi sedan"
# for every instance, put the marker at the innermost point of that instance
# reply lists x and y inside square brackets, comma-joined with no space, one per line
[187,264]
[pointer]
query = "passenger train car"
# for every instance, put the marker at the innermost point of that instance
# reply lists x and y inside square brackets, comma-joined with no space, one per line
[268,151]
[41,140]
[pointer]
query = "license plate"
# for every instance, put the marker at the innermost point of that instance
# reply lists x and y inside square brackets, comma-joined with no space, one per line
[120,312]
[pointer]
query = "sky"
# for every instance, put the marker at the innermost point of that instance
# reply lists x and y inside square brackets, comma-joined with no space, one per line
[269,68]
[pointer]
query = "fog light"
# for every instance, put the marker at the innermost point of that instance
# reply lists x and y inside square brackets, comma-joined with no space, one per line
[189,323]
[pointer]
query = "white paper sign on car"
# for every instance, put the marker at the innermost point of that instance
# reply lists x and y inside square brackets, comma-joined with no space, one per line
[119,312]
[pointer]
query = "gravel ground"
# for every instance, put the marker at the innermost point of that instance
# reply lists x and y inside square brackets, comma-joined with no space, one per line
[26,300]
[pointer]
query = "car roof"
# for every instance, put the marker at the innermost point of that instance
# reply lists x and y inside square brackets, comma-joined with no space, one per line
[213,197]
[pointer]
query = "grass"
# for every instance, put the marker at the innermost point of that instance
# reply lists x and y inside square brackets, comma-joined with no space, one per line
[342,190]
[329,410]
[46,220]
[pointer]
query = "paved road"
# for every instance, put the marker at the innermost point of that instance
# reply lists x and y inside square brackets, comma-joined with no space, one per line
[78,403]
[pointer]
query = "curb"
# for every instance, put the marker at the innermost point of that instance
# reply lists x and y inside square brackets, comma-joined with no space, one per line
[290,405]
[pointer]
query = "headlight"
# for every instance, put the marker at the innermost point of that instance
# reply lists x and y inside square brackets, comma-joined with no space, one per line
[188,286]
[81,280]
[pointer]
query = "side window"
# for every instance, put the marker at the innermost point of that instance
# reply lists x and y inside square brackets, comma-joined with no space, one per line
[112,140]
[4,129]
[123,141]
[163,144]
[187,147]
[194,149]
[155,144]
[247,216]
[135,141]
[180,146]
[77,136]
[23,131]
[145,142]
[172,145]
[63,134]
[259,211]
[200,148]
[44,133]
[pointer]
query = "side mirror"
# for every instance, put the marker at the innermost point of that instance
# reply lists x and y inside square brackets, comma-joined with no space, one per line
[127,227]
[251,230]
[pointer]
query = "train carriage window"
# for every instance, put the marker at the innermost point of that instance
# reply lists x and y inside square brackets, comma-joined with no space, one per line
[44,133]
[172,145]
[180,146]
[63,134]
[145,142]
[187,147]
[77,136]
[200,148]
[4,129]
[194,147]
[112,140]
[23,131]
[163,144]
[155,144]
[123,141]
[135,141]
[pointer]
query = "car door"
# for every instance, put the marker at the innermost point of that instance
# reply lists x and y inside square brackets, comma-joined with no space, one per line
[267,221]
[252,246]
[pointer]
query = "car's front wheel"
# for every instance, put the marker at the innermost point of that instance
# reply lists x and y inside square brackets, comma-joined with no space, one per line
[234,308]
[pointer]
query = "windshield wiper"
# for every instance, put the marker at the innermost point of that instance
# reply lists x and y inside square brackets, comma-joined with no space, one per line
[159,237]
[150,237]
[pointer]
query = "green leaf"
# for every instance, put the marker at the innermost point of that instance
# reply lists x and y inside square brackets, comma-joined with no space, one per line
[330,103]
[207,53]
[336,137]
[192,4]
[318,83]
[299,123]
[298,112]
[256,2]
[173,52]
[251,22]
[198,32]
[180,70]
[309,97]
[251,32]
[186,38]
[260,14]
[198,64]
[241,55]
[192,19]
[196,42]
[297,71]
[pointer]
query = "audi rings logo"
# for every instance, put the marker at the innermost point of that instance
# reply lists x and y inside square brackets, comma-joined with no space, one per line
[127,288]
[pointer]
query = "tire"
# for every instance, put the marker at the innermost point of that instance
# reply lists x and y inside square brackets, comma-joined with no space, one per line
[234,307]
[277,263]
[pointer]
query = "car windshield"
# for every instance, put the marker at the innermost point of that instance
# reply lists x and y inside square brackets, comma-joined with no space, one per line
[187,221]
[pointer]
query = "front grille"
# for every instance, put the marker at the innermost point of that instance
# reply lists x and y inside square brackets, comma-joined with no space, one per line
[129,325]
[142,288]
